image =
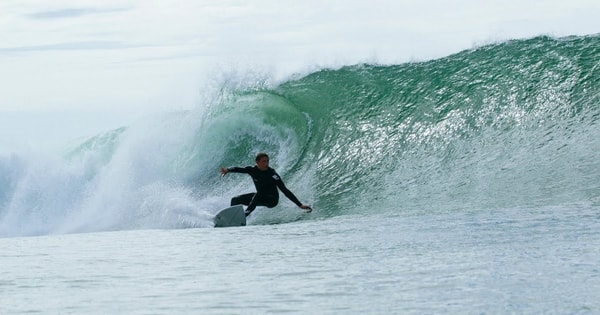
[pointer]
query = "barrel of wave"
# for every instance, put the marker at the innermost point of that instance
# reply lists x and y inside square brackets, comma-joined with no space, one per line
[243,124]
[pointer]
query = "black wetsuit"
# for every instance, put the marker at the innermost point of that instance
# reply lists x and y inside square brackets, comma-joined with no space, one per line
[266,194]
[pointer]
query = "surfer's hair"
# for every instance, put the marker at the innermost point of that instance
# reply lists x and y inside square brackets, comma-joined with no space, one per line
[261,155]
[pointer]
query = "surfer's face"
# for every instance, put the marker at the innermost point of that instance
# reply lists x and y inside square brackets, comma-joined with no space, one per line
[263,163]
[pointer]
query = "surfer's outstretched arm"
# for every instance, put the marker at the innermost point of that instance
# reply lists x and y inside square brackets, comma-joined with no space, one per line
[290,195]
[235,169]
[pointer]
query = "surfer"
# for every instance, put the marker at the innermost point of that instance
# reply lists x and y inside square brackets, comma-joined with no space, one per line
[266,181]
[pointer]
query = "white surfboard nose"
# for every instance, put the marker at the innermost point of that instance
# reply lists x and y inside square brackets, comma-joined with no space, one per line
[232,216]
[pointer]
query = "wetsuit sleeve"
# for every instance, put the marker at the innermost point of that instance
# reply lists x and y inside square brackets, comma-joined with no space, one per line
[236,169]
[286,191]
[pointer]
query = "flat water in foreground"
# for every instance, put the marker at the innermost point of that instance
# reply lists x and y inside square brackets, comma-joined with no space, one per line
[540,260]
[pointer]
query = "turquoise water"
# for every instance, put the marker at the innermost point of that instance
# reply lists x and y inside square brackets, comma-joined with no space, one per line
[467,184]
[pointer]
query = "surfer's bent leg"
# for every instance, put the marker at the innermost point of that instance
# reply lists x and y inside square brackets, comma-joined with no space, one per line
[252,205]
[261,200]
[244,199]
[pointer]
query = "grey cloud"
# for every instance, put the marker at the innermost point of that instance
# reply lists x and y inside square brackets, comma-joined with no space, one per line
[87,45]
[72,12]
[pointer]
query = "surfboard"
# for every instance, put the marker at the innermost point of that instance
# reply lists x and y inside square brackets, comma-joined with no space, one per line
[232,216]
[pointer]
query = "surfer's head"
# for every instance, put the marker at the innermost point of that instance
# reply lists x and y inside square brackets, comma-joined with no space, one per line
[262,161]
[261,155]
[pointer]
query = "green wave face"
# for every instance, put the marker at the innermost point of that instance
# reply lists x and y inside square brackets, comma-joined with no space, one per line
[512,124]
[503,125]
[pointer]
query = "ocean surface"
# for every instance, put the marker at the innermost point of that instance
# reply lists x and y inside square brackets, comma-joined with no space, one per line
[468,184]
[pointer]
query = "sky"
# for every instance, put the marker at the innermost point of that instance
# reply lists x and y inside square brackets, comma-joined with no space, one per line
[128,57]
[156,54]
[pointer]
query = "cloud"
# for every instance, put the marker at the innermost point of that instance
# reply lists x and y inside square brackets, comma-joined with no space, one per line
[72,13]
[85,45]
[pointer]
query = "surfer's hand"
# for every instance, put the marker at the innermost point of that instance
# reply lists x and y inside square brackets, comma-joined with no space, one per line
[306,207]
[224,171]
